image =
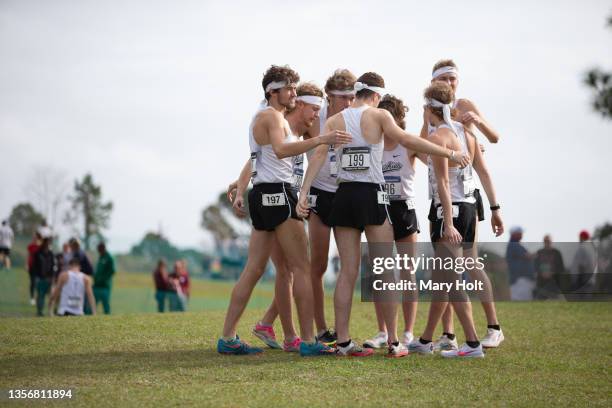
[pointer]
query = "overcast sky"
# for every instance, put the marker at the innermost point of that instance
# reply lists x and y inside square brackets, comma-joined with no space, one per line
[154,98]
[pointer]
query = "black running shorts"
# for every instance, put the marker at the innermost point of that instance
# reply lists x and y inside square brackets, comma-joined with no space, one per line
[322,204]
[404,220]
[356,205]
[464,222]
[479,208]
[271,204]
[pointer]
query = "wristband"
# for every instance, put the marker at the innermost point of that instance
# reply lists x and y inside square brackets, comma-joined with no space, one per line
[495,207]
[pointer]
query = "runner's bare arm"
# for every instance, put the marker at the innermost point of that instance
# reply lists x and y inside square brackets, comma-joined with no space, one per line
[243,180]
[61,280]
[281,149]
[440,165]
[233,187]
[417,144]
[487,183]
[473,116]
[90,296]
[314,166]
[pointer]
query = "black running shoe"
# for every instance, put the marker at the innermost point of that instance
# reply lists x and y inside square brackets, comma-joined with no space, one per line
[328,338]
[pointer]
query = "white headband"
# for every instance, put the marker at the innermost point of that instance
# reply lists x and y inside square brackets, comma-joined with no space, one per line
[311,99]
[342,93]
[446,112]
[360,86]
[275,85]
[444,70]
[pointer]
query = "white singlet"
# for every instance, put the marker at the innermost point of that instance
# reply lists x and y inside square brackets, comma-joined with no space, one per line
[72,298]
[398,173]
[326,178]
[359,161]
[266,167]
[461,181]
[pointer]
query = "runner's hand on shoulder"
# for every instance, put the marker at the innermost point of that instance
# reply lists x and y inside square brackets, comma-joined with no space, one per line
[497,223]
[470,117]
[238,207]
[336,137]
[463,159]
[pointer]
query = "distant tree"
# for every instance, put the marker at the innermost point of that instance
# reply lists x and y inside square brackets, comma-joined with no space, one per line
[218,218]
[154,246]
[603,231]
[601,83]
[87,205]
[24,220]
[46,188]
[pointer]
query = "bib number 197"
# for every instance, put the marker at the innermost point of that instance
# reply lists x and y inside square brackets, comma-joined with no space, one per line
[272,200]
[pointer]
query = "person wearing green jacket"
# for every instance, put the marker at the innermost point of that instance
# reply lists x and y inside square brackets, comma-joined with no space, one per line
[103,278]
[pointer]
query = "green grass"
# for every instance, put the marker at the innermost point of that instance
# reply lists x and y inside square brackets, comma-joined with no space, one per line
[555,353]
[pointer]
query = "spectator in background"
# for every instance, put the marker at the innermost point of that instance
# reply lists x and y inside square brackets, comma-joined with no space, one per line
[72,288]
[520,267]
[162,285]
[33,247]
[549,270]
[583,264]
[6,242]
[44,269]
[66,256]
[179,279]
[103,278]
[77,252]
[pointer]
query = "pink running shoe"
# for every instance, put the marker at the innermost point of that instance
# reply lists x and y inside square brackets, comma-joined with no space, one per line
[266,334]
[292,346]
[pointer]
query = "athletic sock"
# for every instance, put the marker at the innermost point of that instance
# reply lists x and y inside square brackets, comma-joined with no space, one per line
[345,344]
[424,341]
[231,338]
[450,336]
[473,344]
[494,326]
[264,325]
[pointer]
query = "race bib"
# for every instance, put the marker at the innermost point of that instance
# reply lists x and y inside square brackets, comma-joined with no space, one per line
[312,200]
[469,185]
[393,187]
[297,177]
[410,204]
[333,165]
[355,158]
[455,212]
[74,302]
[272,200]
[383,197]
[253,164]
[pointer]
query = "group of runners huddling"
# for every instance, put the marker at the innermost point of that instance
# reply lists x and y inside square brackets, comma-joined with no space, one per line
[359,178]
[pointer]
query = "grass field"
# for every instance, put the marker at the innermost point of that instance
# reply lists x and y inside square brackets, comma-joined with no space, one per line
[555,353]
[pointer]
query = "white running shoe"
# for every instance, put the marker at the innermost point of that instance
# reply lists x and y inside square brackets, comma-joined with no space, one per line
[376,342]
[408,337]
[416,346]
[444,343]
[464,352]
[33,302]
[492,339]
[397,351]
